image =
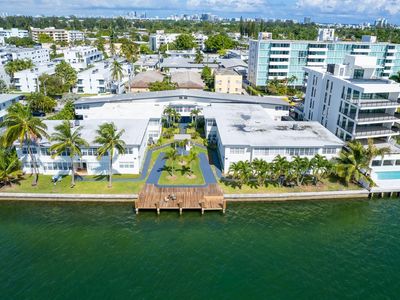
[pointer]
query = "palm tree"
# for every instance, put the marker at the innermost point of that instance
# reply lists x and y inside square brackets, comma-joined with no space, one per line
[198,59]
[172,155]
[22,126]
[68,141]
[116,72]
[320,167]
[260,170]
[234,170]
[245,172]
[353,163]
[372,151]
[10,167]
[299,167]
[395,77]
[110,140]
[112,48]
[280,168]
[168,111]
[191,158]
[176,116]
[194,113]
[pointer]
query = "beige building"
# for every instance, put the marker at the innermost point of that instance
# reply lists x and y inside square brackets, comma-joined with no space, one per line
[58,35]
[227,81]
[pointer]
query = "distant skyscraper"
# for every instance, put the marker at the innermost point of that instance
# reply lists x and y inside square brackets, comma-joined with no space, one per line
[307,20]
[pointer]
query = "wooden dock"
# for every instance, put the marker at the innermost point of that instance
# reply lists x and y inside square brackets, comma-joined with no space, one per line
[204,199]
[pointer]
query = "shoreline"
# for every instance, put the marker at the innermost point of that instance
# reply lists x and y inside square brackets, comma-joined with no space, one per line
[230,198]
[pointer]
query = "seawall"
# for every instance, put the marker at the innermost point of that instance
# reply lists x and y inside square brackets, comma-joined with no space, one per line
[130,198]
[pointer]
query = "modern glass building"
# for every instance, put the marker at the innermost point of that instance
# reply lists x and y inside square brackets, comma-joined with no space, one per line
[282,58]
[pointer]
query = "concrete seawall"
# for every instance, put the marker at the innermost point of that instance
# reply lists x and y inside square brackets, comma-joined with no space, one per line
[331,195]
[130,198]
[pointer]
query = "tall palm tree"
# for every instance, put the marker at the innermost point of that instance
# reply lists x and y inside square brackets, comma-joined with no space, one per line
[194,113]
[168,112]
[172,155]
[353,163]
[69,141]
[21,126]
[116,70]
[110,140]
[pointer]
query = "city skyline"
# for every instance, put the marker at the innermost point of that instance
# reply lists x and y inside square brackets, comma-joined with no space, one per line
[331,11]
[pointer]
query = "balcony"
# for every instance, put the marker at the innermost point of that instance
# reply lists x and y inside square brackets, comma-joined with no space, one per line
[376,103]
[371,117]
[370,131]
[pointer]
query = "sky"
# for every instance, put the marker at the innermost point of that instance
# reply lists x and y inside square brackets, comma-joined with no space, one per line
[341,11]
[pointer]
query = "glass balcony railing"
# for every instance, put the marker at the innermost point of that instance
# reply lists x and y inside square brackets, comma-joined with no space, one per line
[373,131]
[365,117]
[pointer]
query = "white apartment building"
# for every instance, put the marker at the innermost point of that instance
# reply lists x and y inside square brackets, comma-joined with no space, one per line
[37,55]
[281,59]
[162,38]
[243,127]
[13,32]
[98,79]
[27,81]
[58,35]
[326,35]
[135,137]
[82,56]
[351,102]
[6,100]
[246,132]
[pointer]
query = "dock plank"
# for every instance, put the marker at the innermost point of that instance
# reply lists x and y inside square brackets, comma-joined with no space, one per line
[209,197]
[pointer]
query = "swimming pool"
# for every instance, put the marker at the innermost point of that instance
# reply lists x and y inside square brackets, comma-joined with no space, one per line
[388,175]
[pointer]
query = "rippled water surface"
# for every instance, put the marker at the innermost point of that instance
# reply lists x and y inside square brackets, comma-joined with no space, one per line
[297,250]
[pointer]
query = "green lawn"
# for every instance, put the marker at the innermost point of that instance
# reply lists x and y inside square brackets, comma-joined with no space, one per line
[97,187]
[82,187]
[328,184]
[181,174]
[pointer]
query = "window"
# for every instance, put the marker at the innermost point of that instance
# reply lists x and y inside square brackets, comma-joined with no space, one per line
[45,151]
[358,73]
[329,150]
[301,151]
[128,150]
[237,150]
[126,165]
[376,163]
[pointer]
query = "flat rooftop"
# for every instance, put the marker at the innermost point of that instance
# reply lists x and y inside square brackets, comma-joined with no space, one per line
[243,125]
[135,130]
[180,94]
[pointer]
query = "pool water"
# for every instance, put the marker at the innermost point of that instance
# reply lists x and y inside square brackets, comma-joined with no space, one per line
[389,175]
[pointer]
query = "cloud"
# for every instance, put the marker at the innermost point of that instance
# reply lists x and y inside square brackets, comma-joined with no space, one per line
[227,5]
[354,7]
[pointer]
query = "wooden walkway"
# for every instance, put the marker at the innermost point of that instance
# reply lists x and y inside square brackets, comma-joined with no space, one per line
[194,198]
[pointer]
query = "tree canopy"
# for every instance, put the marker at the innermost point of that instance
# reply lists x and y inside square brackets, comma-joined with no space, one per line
[219,42]
[185,42]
